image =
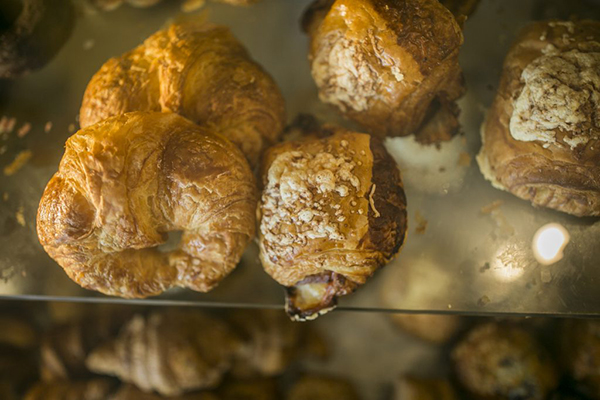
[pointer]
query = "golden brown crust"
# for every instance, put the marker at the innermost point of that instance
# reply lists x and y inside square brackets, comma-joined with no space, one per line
[199,71]
[333,211]
[124,183]
[171,353]
[549,172]
[384,63]
[496,362]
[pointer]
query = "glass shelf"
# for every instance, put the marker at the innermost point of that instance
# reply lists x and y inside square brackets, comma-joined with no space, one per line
[474,257]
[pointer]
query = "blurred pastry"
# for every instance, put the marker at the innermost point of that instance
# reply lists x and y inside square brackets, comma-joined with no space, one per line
[438,329]
[271,342]
[580,343]
[169,352]
[333,211]
[31,33]
[126,182]
[197,70]
[391,66]
[96,389]
[130,392]
[257,389]
[541,135]
[498,362]
[317,387]
[17,332]
[412,388]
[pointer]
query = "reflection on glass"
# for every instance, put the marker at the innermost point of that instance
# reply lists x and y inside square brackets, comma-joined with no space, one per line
[510,262]
[549,242]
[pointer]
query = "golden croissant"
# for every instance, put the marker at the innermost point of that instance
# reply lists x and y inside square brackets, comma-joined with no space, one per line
[126,182]
[171,353]
[389,65]
[197,70]
[541,136]
[332,212]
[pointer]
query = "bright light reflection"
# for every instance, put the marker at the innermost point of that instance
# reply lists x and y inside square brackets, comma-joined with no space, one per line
[509,263]
[549,242]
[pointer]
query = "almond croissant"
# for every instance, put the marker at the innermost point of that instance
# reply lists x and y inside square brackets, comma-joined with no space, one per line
[197,70]
[171,353]
[332,212]
[124,183]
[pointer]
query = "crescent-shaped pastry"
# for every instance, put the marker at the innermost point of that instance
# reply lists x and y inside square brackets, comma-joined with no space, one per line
[541,135]
[391,66]
[333,211]
[126,182]
[197,70]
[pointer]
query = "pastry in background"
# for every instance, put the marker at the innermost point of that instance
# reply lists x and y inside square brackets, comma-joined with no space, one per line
[170,352]
[580,348]
[200,71]
[437,329]
[126,182]
[499,362]
[130,392]
[17,332]
[412,388]
[541,137]
[31,33]
[318,387]
[271,342]
[333,211]
[391,66]
[95,389]
[257,389]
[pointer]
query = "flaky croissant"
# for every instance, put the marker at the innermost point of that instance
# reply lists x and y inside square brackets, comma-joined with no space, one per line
[170,352]
[197,70]
[124,183]
[541,137]
[332,212]
[95,389]
[390,65]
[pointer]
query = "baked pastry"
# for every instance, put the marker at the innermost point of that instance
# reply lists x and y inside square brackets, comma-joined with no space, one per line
[497,362]
[437,329]
[197,70]
[316,387]
[31,33]
[271,342]
[332,212]
[124,183]
[95,389]
[580,345]
[171,353]
[389,65]
[412,388]
[540,137]
[130,392]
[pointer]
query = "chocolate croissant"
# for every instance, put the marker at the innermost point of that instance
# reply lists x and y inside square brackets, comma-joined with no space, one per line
[333,211]
[171,353]
[126,182]
[389,65]
[197,70]
[541,135]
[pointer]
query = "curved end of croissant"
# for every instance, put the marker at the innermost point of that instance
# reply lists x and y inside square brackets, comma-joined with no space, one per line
[316,295]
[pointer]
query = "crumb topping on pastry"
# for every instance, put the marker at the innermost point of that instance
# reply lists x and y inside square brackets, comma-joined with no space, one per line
[299,200]
[561,96]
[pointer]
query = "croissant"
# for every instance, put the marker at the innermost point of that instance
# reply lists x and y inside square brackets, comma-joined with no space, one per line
[122,184]
[96,389]
[541,135]
[497,362]
[197,70]
[332,212]
[171,353]
[389,65]
[272,342]
[316,387]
